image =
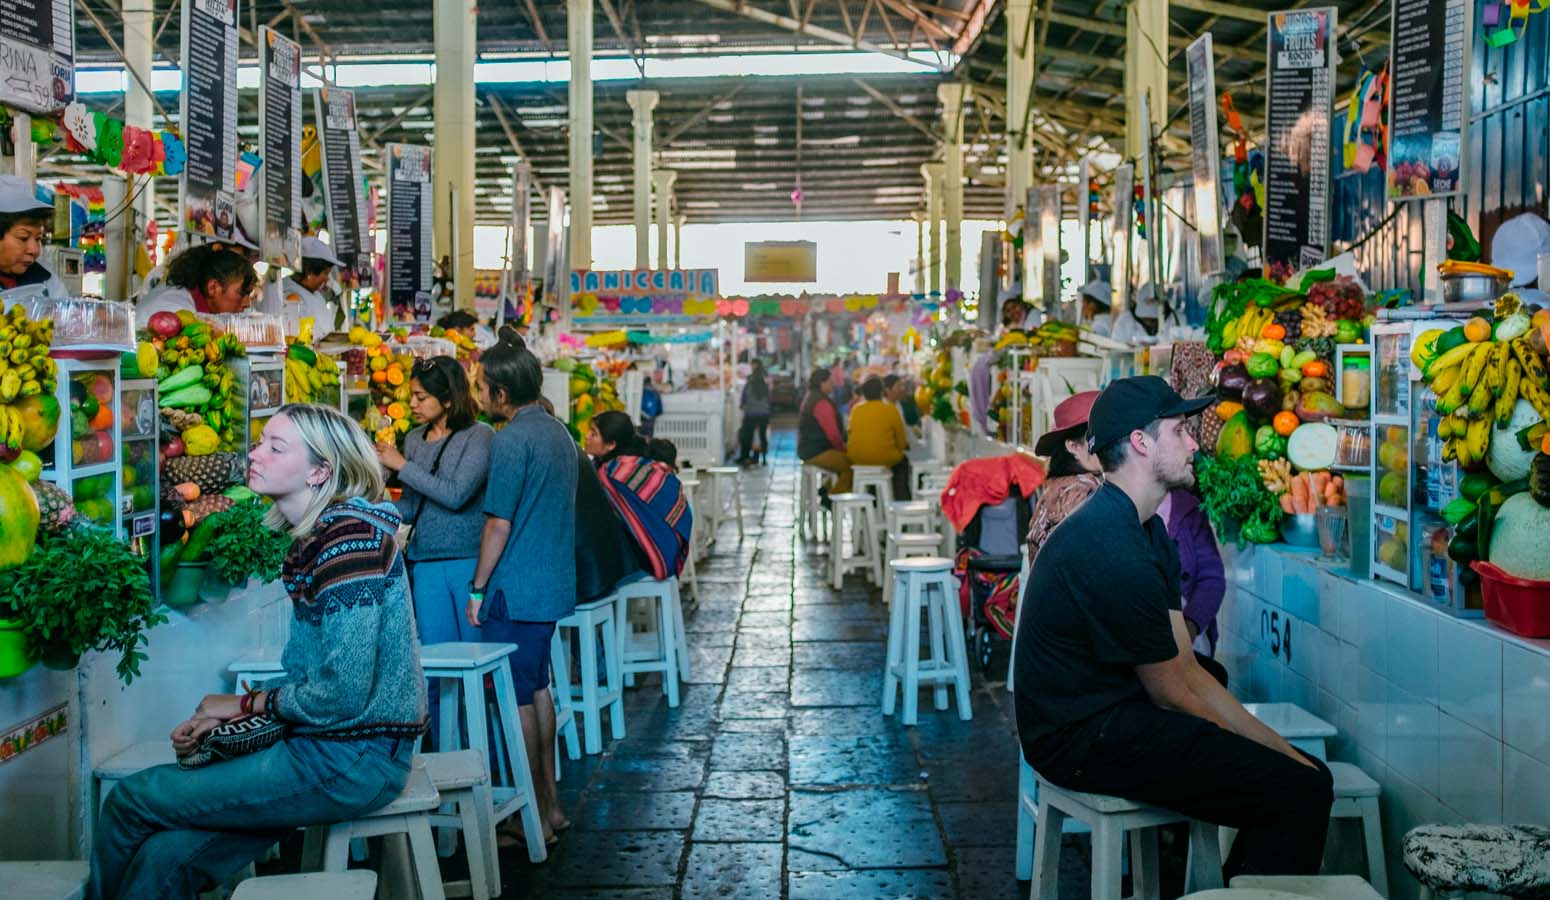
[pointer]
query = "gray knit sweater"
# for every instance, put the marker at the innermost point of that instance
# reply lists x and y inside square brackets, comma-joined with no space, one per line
[353,661]
[452,520]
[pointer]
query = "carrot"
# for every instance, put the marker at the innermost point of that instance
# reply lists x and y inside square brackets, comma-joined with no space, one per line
[1286,504]
[1300,501]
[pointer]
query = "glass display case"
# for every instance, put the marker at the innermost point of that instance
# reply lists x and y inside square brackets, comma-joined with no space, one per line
[1411,481]
[262,381]
[139,472]
[84,457]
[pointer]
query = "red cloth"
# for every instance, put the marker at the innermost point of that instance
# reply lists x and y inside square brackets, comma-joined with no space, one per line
[979,482]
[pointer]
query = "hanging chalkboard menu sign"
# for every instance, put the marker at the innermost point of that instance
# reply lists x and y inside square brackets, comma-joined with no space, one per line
[208,112]
[1298,102]
[343,186]
[1205,154]
[37,54]
[279,129]
[1428,103]
[410,202]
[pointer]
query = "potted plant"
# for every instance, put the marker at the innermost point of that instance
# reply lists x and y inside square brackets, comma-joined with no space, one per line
[14,659]
[81,589]
[240,547]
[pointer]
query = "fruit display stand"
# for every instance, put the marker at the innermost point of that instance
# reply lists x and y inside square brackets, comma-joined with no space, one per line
[139,429]
[84,458]
[261,380]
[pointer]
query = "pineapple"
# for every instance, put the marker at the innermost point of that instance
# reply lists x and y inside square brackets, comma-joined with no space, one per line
[213,472]
[55,507]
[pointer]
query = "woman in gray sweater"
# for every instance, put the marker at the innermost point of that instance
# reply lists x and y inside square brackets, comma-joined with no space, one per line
[442,469]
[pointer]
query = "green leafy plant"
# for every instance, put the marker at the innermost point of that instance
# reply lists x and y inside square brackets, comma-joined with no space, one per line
[82,589]
[242,545]
[1236,501]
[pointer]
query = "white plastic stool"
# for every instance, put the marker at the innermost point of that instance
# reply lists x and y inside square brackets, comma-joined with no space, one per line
[255,669]
[663,646]
[50,880]
[1317,887]
[464,665]
[409,815]
[910,516]
[564,703]
[925,585]
[690,485]
[593,622]
[860,529]
[352,884]
[906,546]
[723,475]
[1356,797]
[463,782]
[1028,813]
[1110,819]
[877,483]
[812,518]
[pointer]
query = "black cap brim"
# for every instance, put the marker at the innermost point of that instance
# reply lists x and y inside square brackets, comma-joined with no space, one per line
[1187,408]
[1049,440]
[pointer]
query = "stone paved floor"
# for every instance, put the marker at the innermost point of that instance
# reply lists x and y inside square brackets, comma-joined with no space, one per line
[778,776]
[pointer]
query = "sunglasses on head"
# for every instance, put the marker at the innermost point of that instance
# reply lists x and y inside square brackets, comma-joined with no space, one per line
[422,366]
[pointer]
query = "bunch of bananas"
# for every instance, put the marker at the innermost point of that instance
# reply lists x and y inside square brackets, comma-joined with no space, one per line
[1243,332]
[1478,383]
[25,367]
[12,426]
[310,383]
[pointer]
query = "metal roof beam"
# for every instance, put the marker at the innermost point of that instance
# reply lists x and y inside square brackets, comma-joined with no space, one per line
[815,31]
[1224,10]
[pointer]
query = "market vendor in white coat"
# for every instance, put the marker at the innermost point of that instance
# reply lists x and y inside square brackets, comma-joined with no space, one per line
[23,220]
[296,296]
[201,279]
[1097,298]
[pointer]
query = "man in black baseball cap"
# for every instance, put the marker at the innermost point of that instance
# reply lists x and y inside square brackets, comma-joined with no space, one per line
[1110,697]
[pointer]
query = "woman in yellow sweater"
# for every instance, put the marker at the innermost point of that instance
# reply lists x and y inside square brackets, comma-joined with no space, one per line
[877,436]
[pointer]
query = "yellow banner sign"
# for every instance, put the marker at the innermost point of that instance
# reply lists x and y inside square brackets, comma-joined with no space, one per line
[780,261]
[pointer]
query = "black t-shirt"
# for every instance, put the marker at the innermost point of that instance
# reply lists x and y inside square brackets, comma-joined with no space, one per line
[1097,604]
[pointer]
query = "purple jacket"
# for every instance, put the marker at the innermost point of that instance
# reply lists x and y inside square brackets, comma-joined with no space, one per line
[1203,578]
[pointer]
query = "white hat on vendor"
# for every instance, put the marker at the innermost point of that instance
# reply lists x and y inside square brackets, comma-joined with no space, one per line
[1518,244]
[1147,306]
[1099,292]
[315,248]
[17,195]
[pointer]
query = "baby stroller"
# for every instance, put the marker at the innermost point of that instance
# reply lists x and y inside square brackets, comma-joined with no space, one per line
[989,558]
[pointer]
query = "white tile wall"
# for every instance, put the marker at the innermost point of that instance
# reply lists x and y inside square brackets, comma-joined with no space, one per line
[1452,717]
[1526,701]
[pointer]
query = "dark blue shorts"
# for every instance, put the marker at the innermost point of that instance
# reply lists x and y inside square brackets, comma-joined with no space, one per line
[530,664]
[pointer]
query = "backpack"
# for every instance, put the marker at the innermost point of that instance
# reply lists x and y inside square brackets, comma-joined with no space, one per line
[650,499]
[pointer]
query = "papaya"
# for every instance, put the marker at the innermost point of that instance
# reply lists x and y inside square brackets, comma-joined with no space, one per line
[19,517]
[1236,439]
[40,420]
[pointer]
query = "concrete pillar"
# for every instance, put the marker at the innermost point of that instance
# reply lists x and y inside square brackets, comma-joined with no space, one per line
[920,251]
[1020,76]
[139,27]
[664,179]
[1146,27]
[932,172]
[579,42]
[952,94]
[642,102]
[453,148]
[678,240]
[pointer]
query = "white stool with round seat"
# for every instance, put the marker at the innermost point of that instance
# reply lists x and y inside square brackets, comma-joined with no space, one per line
[1356,797]
[599,687]
[876,481]
[564,703]
[45,880]
[1111,820]
[663,645]
[255,669]
[460,669]
[907,546]
[408,815]
[352,884]
[925,586]
[910,516]
[463,781]
[1314,887]
[724,480]
[853,519]
[812,518]
[691,486]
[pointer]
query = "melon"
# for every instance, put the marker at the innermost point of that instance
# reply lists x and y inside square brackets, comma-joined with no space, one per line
[40,420]
[1518,538]
[18,518]
[1504,457]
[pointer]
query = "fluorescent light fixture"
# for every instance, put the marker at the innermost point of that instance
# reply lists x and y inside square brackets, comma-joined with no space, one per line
[658,39]
[701,204]
[766,142]
[882,162]
[705,164]
[849,140]
[706,153]
[760,186]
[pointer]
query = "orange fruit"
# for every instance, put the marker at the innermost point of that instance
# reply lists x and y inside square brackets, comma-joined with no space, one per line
[395,375]
[1477,330]
[103,418]
[379,377]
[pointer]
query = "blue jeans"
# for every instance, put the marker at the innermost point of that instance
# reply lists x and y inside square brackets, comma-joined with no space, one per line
[440,595]
[167,833]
